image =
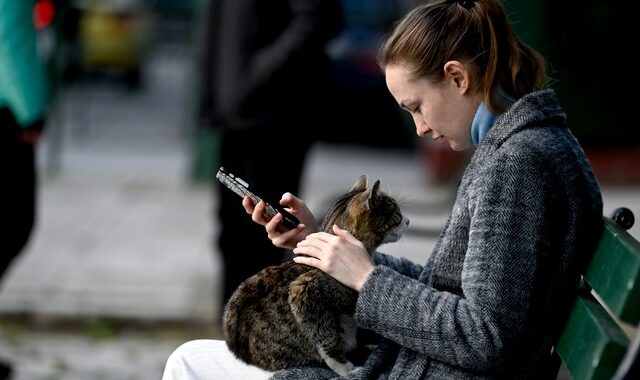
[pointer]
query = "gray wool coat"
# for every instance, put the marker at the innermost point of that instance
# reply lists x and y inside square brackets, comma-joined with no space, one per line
[497,287]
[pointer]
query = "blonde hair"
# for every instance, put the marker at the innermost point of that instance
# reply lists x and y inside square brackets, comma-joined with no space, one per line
[473,32]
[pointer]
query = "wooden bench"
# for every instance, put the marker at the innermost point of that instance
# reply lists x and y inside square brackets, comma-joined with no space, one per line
[600,339]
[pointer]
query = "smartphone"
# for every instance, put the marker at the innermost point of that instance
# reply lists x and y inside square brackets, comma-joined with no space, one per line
[241,187]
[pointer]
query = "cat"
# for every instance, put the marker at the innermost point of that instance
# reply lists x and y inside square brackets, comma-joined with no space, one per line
[294,315]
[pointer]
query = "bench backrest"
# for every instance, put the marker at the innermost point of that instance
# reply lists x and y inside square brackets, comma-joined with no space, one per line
[596,337]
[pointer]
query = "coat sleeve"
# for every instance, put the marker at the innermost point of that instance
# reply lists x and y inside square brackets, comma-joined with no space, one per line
[477,329]
[22,74]
[399,264]
[307,373]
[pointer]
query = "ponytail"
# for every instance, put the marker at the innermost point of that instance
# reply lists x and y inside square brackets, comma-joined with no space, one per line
[476,32]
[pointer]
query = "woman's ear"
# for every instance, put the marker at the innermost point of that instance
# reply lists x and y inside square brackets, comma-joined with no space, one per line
[458,74]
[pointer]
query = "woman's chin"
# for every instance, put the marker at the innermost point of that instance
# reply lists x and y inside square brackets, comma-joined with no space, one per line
[457,146]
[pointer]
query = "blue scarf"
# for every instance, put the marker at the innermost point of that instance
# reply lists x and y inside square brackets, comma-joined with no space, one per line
[482,123]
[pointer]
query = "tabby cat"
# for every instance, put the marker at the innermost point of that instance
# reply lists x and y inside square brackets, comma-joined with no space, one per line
[292,314]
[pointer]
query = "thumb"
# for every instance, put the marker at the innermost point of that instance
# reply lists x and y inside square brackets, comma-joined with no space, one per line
[291,201]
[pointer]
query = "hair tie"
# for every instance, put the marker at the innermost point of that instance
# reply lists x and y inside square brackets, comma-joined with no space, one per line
[466,4]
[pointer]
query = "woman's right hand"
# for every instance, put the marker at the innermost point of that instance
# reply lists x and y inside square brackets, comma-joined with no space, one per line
[279,235]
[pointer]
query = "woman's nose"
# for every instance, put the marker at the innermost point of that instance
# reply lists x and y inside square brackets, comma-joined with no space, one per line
[422,129]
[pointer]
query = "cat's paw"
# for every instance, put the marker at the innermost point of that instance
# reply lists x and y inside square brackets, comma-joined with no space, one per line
[339,368]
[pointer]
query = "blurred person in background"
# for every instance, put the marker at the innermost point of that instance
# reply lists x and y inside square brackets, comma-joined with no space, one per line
[23,106]
[265,77]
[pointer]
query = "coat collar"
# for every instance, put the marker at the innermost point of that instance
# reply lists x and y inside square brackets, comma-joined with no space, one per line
[532,110]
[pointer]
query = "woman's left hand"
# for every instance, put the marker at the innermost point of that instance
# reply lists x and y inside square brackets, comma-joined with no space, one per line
[341,256]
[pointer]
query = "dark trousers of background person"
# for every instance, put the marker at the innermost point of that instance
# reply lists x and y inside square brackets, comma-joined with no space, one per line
[17,190]
[263,157]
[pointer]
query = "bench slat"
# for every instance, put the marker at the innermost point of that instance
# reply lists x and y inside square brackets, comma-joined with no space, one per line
[592,344]
[619,253]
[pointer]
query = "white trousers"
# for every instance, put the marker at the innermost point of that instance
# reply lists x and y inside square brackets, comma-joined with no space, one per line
[208,359]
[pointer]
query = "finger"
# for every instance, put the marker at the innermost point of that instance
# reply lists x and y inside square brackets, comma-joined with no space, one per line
[343,233]
[258,213]
[283,239]
[260,206]
[287,234]
[292,232]
[272,225]
[288,198]
[248,205]
[309,251]
[322,237]
[291,201]
[308,242]
[310,261]
[317,239]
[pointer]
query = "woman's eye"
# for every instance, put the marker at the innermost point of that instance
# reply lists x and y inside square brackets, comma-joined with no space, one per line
[416,110]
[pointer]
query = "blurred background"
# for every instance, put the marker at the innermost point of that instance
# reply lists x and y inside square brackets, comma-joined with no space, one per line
[121,265]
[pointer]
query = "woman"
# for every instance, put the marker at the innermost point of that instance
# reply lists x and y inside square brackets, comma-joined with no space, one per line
[527,212]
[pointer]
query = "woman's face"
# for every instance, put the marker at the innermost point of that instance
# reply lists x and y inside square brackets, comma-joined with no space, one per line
[444,109]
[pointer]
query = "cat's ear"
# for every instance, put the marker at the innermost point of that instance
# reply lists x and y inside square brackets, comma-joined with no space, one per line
[375,188]
[360,184]
[369,194]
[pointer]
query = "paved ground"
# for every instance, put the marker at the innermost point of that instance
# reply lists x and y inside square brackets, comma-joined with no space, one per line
[121,268]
